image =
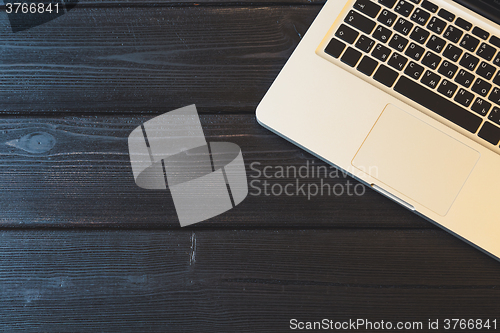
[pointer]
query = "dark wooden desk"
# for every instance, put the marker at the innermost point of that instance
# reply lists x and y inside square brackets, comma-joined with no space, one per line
[82,248]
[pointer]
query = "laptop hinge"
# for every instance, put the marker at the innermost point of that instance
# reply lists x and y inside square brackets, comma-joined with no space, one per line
[488,9]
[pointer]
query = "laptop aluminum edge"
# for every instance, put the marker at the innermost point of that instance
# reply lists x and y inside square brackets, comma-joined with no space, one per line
[342,119]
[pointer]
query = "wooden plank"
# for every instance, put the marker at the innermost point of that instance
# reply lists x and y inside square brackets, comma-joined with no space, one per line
[243,280]
[177,3]
[85,180]
[137,60]
[161,3]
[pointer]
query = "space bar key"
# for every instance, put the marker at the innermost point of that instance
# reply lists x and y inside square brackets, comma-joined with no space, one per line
[438,104]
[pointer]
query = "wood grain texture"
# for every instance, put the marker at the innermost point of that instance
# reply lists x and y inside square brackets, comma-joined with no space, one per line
[86,180]
[163,3]
[137,60]
[182,3]
[243,280]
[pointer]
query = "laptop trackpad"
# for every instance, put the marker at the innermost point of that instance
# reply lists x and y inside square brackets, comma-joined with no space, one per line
[415,159]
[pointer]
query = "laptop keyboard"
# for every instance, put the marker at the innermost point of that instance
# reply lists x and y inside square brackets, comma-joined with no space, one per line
[429,55]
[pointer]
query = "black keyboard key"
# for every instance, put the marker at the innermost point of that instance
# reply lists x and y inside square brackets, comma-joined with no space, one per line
[438,104]
[495,115]
[414,70]
[397,42]
[420,16]
[397,61]
[367,65]
[387,3]
[481,87]
[365,43]
[446,15]
[447,88]
[481,107]
[453,34]
[419,35]
[429,6]
[486,51]
[469,61]
[469,43]
[387,17]
[414,51]
[480,33]
[464,97]
[463,24]
[436,25]
[346,34]
[403,26]
[382,34]
[367,7]
[452,52]
[385,75]
[360,22]
[496,61]
[436,44]
[431,60]
[490,133]
[381,52]
[464,78]
[447,69]
[496,80]
[486,70]
[404,8]
[495,96]
[430,79]
[495,41]
[335,48]
[351,56]
[415,1]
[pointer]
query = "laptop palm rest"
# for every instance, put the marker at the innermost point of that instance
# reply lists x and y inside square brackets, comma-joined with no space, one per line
[415,159]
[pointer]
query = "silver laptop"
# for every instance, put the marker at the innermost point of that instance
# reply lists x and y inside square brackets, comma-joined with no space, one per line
[405,97]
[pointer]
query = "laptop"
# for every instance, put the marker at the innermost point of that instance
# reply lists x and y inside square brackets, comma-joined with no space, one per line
[405,97]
